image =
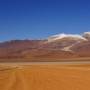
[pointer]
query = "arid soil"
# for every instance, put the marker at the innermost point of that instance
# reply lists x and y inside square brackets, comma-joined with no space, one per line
[45,77]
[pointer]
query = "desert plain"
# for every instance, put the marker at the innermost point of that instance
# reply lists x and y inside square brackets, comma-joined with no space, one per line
[45,76]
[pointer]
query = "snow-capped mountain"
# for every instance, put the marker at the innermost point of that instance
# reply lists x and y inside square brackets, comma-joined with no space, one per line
[64,41]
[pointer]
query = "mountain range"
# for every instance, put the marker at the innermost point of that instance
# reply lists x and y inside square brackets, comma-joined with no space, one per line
[55,47]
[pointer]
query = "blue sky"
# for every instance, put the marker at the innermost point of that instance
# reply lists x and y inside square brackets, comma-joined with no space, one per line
[34,19]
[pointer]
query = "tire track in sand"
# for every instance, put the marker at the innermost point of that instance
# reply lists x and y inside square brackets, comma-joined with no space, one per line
[10,79]
[21,82]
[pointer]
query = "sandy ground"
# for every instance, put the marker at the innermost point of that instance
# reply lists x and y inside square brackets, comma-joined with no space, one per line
[45,77]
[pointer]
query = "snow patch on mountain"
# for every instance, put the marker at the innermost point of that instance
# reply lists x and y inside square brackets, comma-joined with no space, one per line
[61,36]
[86,35]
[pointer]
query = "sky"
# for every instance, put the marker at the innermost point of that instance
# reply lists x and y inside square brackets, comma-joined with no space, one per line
[38,19]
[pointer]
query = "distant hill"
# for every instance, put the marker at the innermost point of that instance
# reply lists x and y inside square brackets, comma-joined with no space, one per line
[54,47]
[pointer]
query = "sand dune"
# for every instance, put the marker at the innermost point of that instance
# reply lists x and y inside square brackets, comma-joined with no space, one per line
[45,77]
